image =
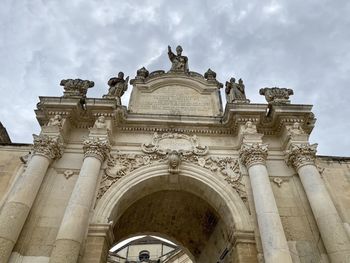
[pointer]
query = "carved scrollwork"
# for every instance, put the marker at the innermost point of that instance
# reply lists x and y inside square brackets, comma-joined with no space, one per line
[96,147]
[120,165]
[48,146]
[167,142]
[253,153]
[299,155]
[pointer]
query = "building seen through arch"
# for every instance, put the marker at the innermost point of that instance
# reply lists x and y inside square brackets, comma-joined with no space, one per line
[148,249]
[233,183]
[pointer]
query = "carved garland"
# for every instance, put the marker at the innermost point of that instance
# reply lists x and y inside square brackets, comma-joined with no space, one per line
[299,155]
[50,147]
[122,164]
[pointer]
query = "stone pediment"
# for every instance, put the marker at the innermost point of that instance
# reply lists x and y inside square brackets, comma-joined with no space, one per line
[175,94]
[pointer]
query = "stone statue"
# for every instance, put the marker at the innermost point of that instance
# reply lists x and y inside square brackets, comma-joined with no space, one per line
[296,129]
[179,62]
[235,91]
[76,88]
[117,86]
[100,123]
[249,128]
[55,121]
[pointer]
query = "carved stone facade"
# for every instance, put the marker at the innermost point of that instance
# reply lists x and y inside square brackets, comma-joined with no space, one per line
[254,153]
[276,95]
[50,147]
[174,163]
[301,154]
[96,147]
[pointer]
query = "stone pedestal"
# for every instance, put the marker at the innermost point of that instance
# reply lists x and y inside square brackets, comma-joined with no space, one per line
[76,218]
[330,225]
[99,241]
[273,239]
[15,211]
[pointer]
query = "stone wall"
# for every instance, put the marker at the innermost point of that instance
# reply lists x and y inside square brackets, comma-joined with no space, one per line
[39,233]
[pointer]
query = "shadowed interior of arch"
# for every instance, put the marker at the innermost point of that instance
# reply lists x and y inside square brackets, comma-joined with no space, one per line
[183,217]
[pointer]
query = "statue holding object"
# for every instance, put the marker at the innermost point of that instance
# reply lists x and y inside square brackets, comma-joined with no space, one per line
[235,92]
[179,62]
[117,87]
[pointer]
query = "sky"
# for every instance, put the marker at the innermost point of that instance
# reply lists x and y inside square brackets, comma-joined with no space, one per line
[303,45]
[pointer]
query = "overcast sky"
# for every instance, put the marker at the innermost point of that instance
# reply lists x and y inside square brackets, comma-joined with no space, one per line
[303,45]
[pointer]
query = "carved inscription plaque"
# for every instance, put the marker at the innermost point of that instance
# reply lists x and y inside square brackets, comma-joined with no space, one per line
[175,100]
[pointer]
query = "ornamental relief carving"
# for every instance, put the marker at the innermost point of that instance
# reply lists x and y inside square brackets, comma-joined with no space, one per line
[253,153]
[169,152]
[168,142]
[96,147]
[299,155]
[50,147]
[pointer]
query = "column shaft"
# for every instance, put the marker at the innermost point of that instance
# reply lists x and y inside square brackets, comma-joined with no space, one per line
[336,241]
[76,217]
[15,211]
[273,239]
[327,218]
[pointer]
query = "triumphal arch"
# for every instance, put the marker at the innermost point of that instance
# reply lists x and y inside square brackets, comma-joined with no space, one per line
[233,183]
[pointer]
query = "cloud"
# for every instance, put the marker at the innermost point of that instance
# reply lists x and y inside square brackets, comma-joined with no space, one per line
[295,44]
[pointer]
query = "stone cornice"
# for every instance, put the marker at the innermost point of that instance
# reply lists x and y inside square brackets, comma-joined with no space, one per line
[95,147]
[302,154]
[253,153]
[47,146]
[234,115]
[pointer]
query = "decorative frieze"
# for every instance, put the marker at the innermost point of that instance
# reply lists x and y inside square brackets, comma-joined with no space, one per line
[96,147]
[302,154]
[50,147]
[167,142]
[253,153]
[122,164]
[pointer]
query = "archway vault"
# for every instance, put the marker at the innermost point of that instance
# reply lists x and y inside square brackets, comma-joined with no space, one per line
[209,204]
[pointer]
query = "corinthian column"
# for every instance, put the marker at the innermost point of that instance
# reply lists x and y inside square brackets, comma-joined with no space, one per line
[273,239]
[17,207]
[302,157]
[76,218]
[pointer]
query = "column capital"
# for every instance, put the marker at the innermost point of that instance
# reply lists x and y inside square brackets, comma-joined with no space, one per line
[301,154]
[253,153]
[50,147]
[96,147]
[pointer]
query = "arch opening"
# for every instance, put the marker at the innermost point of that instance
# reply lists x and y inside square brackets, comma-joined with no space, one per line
[194,209]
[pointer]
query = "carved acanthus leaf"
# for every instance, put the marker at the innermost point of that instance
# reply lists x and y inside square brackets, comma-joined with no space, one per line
[253,153]
[276,95]
[96,147]
[299,155]
[48,146]
[122,164]
[76,88]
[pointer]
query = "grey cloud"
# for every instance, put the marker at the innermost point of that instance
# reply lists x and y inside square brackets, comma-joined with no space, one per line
[296,44]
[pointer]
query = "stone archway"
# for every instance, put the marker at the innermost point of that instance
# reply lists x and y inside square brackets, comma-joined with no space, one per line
[198,210]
